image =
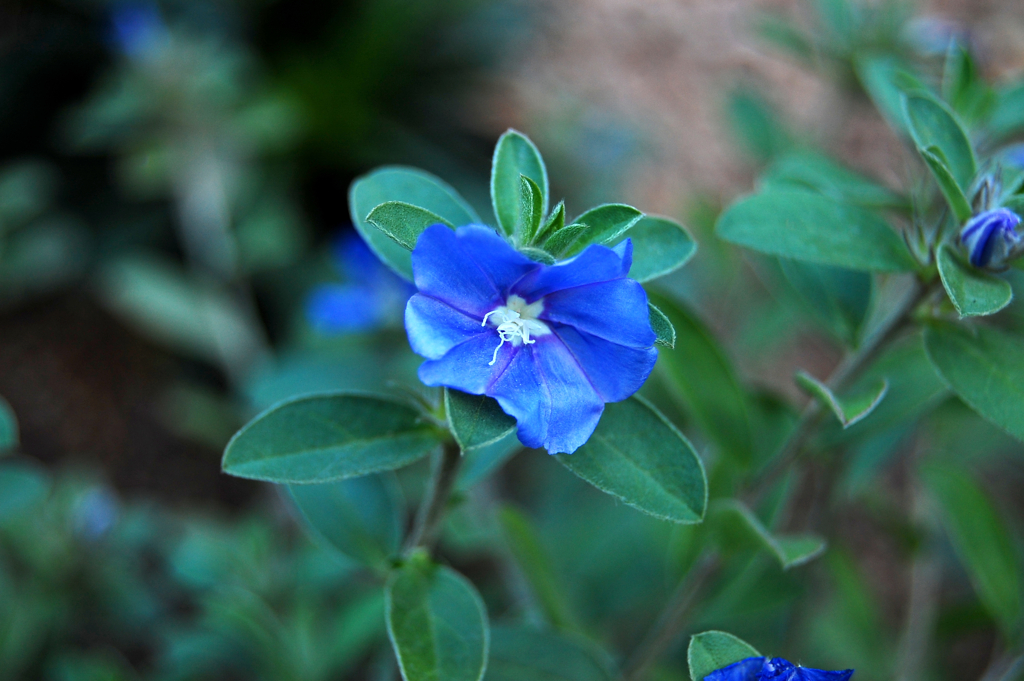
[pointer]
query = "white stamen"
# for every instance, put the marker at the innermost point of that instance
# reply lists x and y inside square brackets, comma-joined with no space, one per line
[515,321]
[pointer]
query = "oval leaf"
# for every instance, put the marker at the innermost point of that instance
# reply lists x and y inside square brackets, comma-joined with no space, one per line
[639,457]
[974,292]
[321,438]
[437,623]
[515,155]
[606,224]
[361,517]
[409,185]
[808,226]
[791,550]
[403,222]
[525,654]
[665,333]
[955,197]
[8,427]
[932,124]
[812,170]
[476,420]
[660,246]
[713,650]
[984,369]
[850,409]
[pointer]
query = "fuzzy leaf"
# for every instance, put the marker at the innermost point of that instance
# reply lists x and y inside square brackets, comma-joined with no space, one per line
[974,292]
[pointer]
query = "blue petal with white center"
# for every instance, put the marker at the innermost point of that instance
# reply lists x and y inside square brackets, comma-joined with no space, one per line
[774,669]
[551,343]
[991,238]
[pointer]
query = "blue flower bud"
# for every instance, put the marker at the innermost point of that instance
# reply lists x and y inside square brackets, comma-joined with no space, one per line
[991,238]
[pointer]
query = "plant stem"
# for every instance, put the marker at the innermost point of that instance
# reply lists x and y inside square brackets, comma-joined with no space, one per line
[669,623]
[435,501]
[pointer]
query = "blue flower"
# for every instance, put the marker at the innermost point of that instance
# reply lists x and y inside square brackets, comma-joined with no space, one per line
[991,237]
[138,29]
[372,297]
[774,669]
[551,344]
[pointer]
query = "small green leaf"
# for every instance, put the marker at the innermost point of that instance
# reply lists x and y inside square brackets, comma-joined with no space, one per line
[437,623]
[409,185]
[537,255]
[8,427]
[536,567]
[813,170]
[606,224]
[321,438]
[21,485]
[703,379]
[933,124]
[808,226]
[663,330]
[660,246]
[403,222]
[983,367]
[958,203]
[791,550]
[532,209]
[974,292]
[849,410]
[515,155]
[520,653]
[981,540]
[361,517]
[555,222]
[713,650]
[476,420]
[637,456]
[562,241]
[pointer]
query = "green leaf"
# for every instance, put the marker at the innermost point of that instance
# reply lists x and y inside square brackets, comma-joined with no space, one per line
[955,197]
[536,568]
[361,517]
[813,170]
[409,185]
[515,155]
[606,224]
[703,379]
[932,124]
[1008,114]
[437,623]
[21,485]
[538,255]
[963,86]
[476,420]
[983,367]
[321,438]
[8,427]
[791,550]
[974,292]
[849,410]
[713,650]
[660,245]
[808,226]
[532,208]
[637,456]
[555,222]
[403,222]
[838,297]
[481,462]
[560,243]
[981,540]
[663,330]
[520,653]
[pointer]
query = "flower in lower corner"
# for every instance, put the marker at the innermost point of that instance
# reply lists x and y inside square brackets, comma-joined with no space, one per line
[551,343]
[991,238]
[774,669]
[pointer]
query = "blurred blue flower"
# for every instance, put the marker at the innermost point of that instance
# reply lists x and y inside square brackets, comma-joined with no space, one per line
[551,343]
[372,297]
[138,29]
[991,237]
[774,669]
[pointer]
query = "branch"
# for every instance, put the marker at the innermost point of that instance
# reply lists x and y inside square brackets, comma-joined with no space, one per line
[435,502]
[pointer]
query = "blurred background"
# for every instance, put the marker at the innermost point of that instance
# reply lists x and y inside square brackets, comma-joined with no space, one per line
[176,255]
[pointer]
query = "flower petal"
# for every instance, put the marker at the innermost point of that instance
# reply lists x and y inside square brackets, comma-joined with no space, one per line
[595,264]
[467,366]
[807,674]
[744,670]
[435,327]
[615,371]
[550,397]
[614,310]
[470,268]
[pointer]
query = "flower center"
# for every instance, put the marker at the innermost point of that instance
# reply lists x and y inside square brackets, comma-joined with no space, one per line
[515,322]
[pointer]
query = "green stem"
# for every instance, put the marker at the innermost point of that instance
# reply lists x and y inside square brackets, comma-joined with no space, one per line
[435,501]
